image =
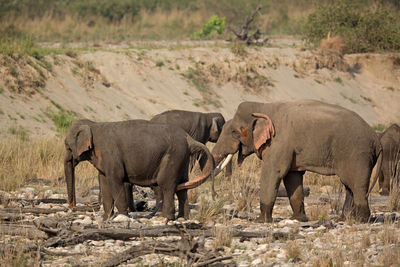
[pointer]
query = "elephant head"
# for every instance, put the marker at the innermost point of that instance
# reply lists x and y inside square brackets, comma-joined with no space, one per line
[246,136]
[217,122]
[78,144]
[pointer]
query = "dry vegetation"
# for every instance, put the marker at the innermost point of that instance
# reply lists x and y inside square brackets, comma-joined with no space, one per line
[24,159]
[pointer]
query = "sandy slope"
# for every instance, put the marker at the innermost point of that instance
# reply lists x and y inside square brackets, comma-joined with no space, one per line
[117,84]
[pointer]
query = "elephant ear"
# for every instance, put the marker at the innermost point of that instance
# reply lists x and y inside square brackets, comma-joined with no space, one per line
[263,129]
[83,139]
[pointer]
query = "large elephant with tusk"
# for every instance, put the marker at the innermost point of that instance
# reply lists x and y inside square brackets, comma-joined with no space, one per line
[293,137]
[136,152]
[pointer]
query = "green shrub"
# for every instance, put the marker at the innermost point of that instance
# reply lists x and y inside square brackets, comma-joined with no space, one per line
[62,119]
[364,29]
[214,26]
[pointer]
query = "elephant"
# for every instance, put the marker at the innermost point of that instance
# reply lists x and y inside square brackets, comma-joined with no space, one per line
[202,127]
[305,135]
[136,152]
[390,140]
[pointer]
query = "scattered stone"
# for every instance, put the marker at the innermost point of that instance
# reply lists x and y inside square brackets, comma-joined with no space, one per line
[121,218]
[256,262]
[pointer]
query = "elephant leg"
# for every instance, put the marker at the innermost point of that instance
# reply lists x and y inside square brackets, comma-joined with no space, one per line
[356,180]
[115,180]
[129,196]
[108,201]
[293,182]
[183,204]
[384,180]
[168,203]
[276,164]
[99,197]
[159,196]
[348,205]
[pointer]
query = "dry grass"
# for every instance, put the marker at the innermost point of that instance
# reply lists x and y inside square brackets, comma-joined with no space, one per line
[208,210]
[335,43]
[293,251]
[318,212]
[12,251]
[23,159]
[150,25]
[242,189]
[223,236]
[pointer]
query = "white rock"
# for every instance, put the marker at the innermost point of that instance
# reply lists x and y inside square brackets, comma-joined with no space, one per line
[108,244]
[58,196]
[287,222]
[44,206]
[143,220]
[320,228]
[243,264]
[257,261]
[119,243]
[98,243]
[29,190]
[87,220]
[48,193]
[262,247]
[286,230]
[121,218]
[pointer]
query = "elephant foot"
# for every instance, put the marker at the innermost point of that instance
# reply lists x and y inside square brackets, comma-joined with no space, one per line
[300,218]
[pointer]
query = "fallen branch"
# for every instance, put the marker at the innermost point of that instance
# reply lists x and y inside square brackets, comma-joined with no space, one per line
[50,211]
[29,231]
[204,263]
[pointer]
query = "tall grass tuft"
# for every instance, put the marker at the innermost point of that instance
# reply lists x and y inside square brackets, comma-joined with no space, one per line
[22,159]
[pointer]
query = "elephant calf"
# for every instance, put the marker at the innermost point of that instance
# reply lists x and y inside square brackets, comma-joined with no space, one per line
[390,140]
[136,152]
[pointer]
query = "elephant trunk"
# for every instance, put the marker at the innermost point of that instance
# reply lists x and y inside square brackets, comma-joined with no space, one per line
[208,171]
[69,169]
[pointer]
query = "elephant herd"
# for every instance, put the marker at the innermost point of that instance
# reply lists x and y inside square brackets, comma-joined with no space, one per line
[289,137]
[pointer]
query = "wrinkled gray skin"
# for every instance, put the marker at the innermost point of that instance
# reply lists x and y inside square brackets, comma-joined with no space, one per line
[390,140]
[136,152]
[303,136]
[202,127]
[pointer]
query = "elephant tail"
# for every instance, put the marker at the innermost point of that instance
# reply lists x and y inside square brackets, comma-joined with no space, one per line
[378,167]
[195,148]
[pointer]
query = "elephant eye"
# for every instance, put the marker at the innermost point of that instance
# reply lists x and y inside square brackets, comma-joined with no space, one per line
[235,134]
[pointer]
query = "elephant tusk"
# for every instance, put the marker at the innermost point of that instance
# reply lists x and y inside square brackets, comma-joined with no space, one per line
[220,166]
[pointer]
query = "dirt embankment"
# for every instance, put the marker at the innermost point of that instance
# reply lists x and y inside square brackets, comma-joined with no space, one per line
[121,83]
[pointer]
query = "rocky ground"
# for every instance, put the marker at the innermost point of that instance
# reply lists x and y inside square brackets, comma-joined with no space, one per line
[38,228]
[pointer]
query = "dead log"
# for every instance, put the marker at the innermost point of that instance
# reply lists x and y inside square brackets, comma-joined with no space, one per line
[49,211]
[28,231]
[34,201]
[33,210]
[59,253]
[169,230]
[204,263]
[11,216]
[136,251]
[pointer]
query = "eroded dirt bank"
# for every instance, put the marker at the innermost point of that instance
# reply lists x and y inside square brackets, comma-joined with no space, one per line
[127,83]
